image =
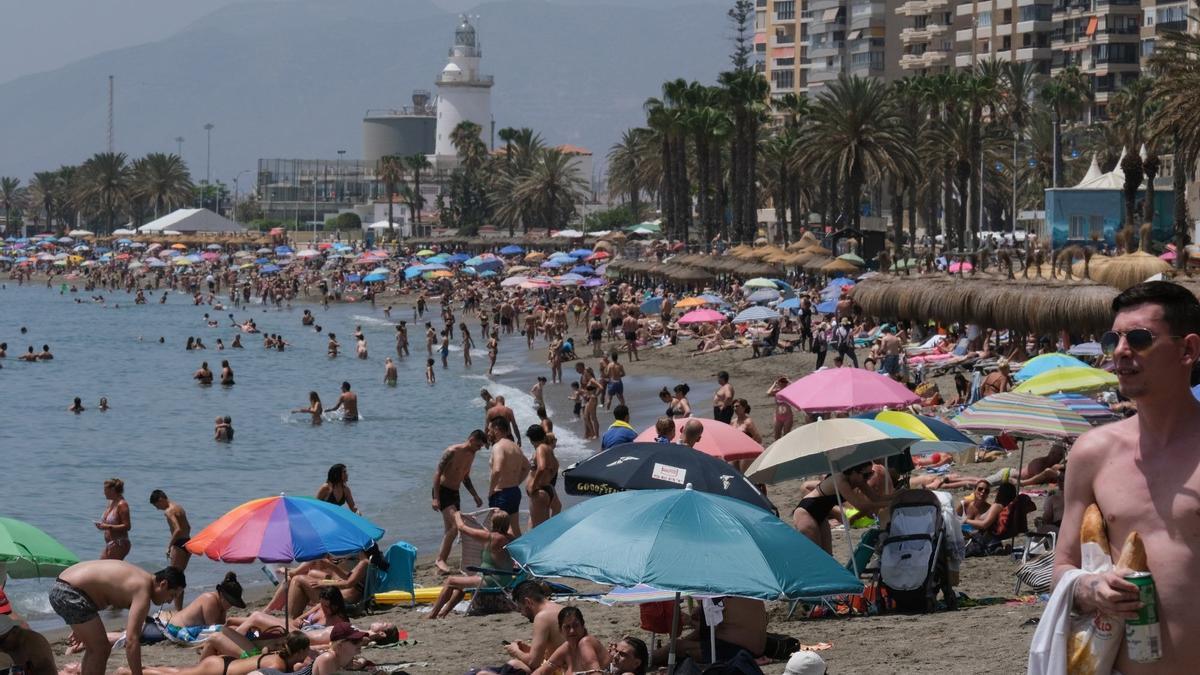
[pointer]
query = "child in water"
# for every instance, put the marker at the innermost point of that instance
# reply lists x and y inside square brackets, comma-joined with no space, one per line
[430,377]
[223,432]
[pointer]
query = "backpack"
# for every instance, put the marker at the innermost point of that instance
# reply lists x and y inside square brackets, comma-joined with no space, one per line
[843,339]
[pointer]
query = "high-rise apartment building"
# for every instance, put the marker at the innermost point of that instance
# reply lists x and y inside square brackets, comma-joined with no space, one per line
[779,43]
[926,36]
[1007,30]
[1103,39]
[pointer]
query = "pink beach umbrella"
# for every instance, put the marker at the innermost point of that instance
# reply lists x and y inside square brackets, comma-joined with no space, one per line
[719,439]
[701,316]
[846,389]
[960,266]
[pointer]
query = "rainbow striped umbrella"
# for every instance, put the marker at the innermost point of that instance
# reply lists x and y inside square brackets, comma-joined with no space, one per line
[284,529]
[1023,416]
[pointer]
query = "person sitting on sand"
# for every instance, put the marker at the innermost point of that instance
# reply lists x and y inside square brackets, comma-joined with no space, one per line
[580,652]
[628,656]
[1003,519]
[309,578]
[329,609]
[28,650]
[743,626]
[976,504]
[495,557]
[207,610]
[532,600]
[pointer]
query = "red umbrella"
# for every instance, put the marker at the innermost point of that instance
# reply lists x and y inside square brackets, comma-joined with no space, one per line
[719,439]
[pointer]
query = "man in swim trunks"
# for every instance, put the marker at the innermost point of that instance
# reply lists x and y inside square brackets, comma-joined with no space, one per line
[389,371]
[723,399]
[496,408]
[85,588]
[349,401]
[629,326]
[509,468]
[889,346]
[454,470]
[613,372]
[181,532]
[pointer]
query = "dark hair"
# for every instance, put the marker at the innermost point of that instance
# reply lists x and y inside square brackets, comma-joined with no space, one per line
[1006,493]
[1181,309]
[639,652]
[857,468]
[334,477]
[541,413]
[664,392]
[682,389]
[501,424]
[477,435]
[391,635]
[535,433]
[337,603]
[173,576]
[345,386]
[570,610]
[529,590]
[294,644]
[723,375]
[157,495]
[621,412]
[230,586]
[742,402]
[376,557]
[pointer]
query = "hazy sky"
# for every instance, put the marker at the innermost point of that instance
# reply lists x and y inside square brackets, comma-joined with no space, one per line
[42,35]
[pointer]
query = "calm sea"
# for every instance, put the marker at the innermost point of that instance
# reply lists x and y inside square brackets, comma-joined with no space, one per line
[158,433]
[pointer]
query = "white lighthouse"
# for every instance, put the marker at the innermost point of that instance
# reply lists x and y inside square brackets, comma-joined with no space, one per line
[463,94]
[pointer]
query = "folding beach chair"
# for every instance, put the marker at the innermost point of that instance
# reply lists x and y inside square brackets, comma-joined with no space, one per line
[399,576]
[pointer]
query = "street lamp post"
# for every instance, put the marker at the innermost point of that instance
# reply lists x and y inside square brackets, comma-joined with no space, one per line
[208,158]
[179,146]
[340,175]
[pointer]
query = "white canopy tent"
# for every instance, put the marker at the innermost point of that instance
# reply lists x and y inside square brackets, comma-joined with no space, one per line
[189,221]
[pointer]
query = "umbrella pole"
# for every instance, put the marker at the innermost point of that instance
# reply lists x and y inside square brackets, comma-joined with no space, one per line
[287,615]
[674,631]
[845,521]
[1020,467]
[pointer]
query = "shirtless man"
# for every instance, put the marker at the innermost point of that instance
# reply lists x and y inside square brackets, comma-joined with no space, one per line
[28,650]
[497,409]
[509,468]
[743,626]
[402,339]
[204,375]
[83,589]
[389,372]
[226,374]
[349,401]
[181,532]
[534,604]
[629,326]
[430,338]
[454,470]
[333,346]
[613,372]
[889,347]
[723,399]
[1142,472]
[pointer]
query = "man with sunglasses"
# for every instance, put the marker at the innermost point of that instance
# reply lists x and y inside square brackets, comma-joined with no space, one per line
[1144,472]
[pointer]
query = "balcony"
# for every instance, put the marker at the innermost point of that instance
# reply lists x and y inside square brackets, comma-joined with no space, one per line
[1034,54]
[785,17]
[913,8]
[919,35]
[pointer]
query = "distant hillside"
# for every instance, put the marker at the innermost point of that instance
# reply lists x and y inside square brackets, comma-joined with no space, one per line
[292,78]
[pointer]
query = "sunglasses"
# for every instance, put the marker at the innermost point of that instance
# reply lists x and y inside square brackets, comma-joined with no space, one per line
[1138,339]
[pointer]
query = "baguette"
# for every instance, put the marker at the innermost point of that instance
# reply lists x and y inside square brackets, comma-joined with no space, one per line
[1133,556]
[1092,529]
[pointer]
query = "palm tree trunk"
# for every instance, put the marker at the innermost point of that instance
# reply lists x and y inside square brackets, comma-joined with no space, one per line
[683,193]
[736,162]
[751,176]
[668,186]
[976,149]
[720,196]
[897,214]
[1179,179]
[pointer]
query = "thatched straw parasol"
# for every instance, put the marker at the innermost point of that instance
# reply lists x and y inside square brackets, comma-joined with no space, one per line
[816,262]
[1130,269]
[839,266]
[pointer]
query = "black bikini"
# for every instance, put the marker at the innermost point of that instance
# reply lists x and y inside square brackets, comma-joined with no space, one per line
[820,506]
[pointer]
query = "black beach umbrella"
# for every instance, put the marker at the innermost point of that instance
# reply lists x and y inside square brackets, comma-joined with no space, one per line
[658,466]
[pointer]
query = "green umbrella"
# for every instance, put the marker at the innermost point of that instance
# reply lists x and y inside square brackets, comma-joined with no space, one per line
[29,553]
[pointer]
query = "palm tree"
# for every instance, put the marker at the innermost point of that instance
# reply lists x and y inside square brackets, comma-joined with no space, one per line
[105,184]
[551,189]
[1177,118]
[68,203]
[507,134]
[624,168]
[709,127]
[745,92]
[417,163]
[471,150]
[1016,101]
[164,180]
[856,132]
[391,172]
[1067,94]
[43,191]
[11,195]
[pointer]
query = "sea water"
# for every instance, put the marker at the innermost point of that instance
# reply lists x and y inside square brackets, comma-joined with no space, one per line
[158,433]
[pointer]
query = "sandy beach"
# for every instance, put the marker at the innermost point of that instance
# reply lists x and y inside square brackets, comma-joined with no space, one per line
[991,637]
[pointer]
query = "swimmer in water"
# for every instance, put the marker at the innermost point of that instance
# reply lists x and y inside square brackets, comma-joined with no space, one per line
[333,346]
[389,372]
[103,407]
[430,377]
[204,376]
[349,402]
[223,431]
[76,406]
[226,374]
[314,407]
[237,342]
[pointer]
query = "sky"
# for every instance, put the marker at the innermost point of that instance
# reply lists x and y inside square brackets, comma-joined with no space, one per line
[37,38]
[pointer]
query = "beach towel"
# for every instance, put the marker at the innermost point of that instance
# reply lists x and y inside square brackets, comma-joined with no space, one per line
[1096,638]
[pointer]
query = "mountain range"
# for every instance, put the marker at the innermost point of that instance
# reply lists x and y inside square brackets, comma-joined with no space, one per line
[293,78]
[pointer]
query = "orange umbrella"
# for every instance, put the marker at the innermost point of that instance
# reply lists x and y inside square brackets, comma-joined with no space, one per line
[719,439]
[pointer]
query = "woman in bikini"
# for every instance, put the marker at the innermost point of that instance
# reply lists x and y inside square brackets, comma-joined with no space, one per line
[294,651]
[679,406]
[115,523]
[543,475]
[335,489]
[783,411]
[745,424]
[314,407]
[811,517]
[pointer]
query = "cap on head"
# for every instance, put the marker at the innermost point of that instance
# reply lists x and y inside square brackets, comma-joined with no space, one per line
[344,631]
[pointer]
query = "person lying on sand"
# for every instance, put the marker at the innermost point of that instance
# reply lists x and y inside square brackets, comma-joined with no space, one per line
[294,650]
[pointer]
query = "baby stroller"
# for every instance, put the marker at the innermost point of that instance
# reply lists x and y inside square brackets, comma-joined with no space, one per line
[914,556]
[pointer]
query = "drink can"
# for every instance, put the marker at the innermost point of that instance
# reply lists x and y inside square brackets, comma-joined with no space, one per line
[1143,638]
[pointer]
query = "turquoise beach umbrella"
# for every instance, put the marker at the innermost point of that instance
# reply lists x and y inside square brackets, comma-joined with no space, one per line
[684,541]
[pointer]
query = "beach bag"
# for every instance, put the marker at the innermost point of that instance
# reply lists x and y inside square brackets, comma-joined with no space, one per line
[1038,574]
